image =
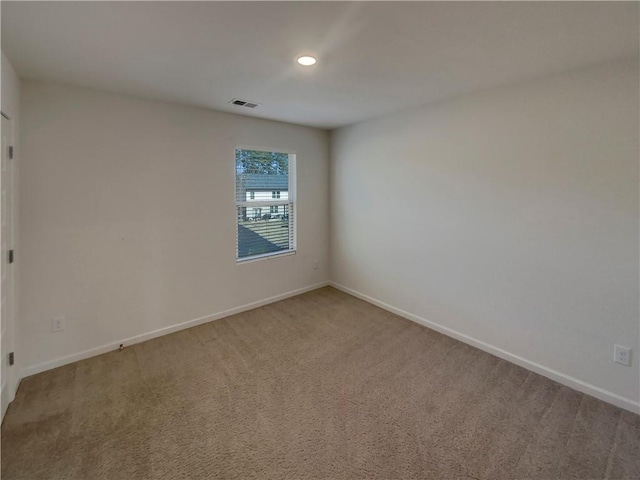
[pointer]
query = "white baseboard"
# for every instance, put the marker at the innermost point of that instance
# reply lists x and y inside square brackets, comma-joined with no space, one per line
[559,377]
[4,398]
[8,392]
[92,352]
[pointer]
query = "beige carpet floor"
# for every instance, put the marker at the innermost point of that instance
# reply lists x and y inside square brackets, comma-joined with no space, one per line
[319,386]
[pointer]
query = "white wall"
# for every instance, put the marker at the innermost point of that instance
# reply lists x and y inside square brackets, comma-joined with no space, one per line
[510,218]
[128,211]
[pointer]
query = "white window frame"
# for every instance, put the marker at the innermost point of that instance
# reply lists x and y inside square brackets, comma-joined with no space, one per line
[291,202]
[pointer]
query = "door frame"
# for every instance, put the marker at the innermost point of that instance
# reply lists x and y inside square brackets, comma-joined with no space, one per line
[11,382]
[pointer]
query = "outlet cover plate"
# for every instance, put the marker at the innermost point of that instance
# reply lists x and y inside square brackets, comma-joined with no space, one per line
[57,324]
[622,355]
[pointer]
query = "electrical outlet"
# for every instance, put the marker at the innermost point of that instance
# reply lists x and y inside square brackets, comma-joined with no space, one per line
[57,324]
[316,264]
[622,355]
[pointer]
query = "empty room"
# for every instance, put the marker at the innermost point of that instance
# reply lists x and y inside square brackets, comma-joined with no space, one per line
[320,240]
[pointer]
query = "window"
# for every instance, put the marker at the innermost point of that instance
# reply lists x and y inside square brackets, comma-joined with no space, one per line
[265,182]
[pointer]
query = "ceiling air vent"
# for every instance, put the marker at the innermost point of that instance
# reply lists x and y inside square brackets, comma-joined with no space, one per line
[243,103]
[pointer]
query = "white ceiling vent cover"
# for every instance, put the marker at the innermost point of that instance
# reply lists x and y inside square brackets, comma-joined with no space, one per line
[244,103]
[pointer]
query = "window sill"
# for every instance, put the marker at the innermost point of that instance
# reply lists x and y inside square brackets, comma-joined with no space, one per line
[266,256]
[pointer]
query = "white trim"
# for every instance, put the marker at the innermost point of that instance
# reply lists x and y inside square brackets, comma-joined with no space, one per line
[92,352]
[265,256]
[8,393]
[559,377]
[4,398]
[271,202]
[10,384]
[16,384]
[257,148]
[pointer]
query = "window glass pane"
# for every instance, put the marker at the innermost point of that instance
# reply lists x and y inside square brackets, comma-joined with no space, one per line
[263,233]
[261,174]
[262,178]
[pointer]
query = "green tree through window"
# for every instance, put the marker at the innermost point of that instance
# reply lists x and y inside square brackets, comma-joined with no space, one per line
[255,161]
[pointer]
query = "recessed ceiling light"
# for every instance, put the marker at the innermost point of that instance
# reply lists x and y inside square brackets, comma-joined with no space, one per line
[307,61]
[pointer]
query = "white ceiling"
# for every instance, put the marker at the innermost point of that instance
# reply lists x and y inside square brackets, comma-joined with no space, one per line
[373,57]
